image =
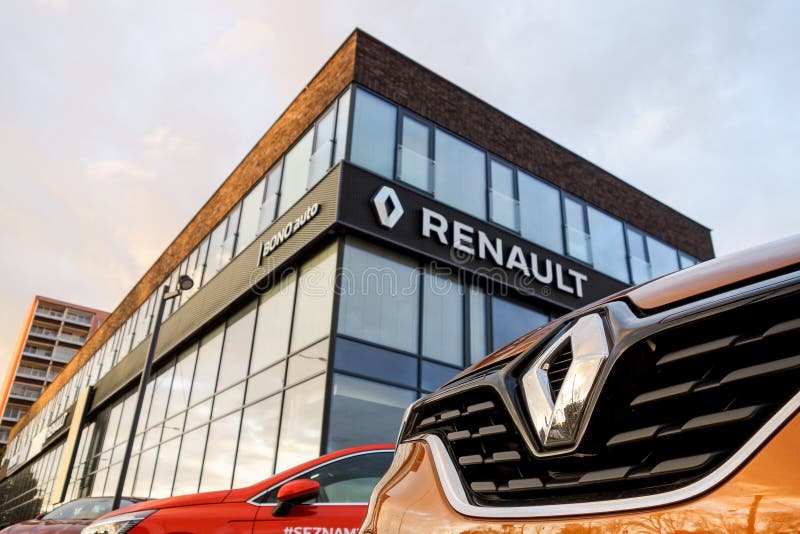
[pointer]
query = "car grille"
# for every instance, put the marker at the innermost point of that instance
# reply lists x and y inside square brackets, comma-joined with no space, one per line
[674,407]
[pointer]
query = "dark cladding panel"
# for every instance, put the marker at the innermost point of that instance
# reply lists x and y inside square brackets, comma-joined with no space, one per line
[560,280]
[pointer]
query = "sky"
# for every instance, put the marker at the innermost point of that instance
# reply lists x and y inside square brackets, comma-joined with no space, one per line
[118,120]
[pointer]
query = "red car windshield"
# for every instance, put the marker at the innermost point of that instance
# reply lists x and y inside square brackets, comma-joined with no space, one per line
[83,509]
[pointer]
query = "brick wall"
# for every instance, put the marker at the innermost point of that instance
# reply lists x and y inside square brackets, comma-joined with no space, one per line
[396,77]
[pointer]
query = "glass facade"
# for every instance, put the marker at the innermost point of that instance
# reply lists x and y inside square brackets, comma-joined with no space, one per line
[405,328]
[455,172]
[225,409]
[332,353]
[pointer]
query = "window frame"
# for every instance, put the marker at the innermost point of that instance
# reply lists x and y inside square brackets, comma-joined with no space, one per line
[255,499]
[402,115]
[491,158]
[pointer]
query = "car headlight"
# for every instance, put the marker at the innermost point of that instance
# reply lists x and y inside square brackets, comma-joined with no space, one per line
[117,524]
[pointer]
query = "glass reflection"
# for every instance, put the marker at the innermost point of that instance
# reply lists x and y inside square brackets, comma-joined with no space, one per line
[220,453]
[365,412]
[257,441]
[274,322]
[190,461]
[165,469]
[301,423]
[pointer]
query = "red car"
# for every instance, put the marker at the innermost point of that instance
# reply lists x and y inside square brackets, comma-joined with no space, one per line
[328,495]
[70,517]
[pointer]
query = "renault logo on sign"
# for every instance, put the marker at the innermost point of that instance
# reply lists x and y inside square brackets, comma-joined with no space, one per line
[558,385]
[387,207]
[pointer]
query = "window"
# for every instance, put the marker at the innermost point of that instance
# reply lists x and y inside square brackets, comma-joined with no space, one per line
[144,317]
[379,297]
[540,213]
[295,172]
[460,175]
[323,147]
[228,400]
[363,411]
[375,362]
[301,423]
[257,441]
[443,319]
[265,382]
[229,242]
[182,381]
[165,469]
[269,204]
[215,241]
[251,208]
[190,462]
[308,362]
[144,473]
[637,256]
[205,375]
[158,407]
[576,230]
[373,137]
[273,325]
[342,120]
[347,480]
[503,204]
[196,269]
[314,299]
[236,348]
[608,245]
[220,453]
[663,258]
[477,325]
[511,320]
[686,260]
[414,164]
[435,375]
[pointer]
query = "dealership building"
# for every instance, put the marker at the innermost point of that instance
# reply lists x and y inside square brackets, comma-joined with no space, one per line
[386,232]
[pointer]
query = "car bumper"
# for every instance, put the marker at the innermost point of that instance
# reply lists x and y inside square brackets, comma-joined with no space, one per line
[762,496]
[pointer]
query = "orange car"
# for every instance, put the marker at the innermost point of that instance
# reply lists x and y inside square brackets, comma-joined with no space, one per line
[327,495]
[671,407]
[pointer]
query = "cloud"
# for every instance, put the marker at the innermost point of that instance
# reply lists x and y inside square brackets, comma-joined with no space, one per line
[119,170]
[61,5]
[246,35]
[164,142]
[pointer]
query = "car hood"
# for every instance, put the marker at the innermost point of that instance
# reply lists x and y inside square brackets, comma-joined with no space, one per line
[73,526]
[212,497]
[702,280]
[717,275]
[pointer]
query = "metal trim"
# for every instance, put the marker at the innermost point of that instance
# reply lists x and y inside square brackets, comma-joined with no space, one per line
[457,497]
[300,474]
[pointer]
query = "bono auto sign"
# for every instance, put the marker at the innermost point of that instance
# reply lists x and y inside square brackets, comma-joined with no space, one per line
[269,246]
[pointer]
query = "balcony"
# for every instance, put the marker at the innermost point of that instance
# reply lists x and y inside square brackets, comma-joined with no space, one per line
[43,332]
[72,338]
[49,313]
[74,318]
[13,414]
[35,352]
[30,372]
[63,354]
[24,393]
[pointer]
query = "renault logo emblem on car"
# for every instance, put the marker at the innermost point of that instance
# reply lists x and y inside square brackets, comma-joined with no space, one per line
[557,400]
[388,209]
